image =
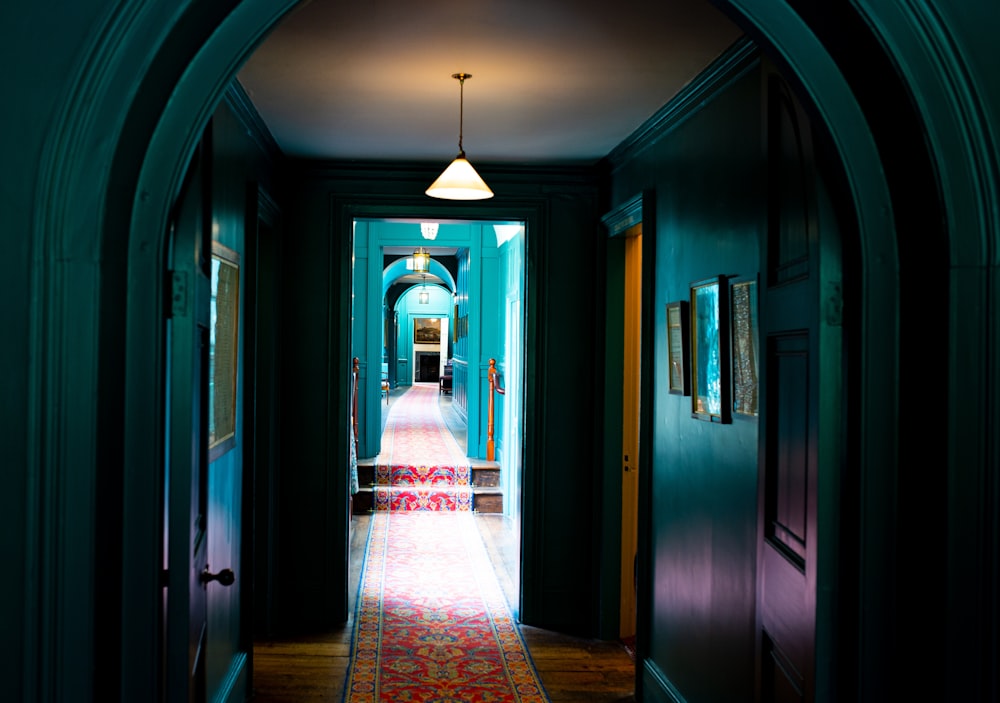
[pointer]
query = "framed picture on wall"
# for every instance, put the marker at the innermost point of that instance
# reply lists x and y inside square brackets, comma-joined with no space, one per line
[223,350]
[426,330]
[678,359]
[709,315]
[745,353]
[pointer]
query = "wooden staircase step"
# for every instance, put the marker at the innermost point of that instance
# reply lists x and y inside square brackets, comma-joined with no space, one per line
[487,496]
[487,500]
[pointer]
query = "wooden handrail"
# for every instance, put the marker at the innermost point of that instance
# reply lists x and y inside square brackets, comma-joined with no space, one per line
[492,378]
[355,373]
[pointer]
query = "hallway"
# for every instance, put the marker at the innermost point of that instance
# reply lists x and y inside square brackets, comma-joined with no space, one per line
[311,668]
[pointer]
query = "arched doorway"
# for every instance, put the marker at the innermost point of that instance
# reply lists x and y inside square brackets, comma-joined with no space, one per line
[837,92]
[156,146]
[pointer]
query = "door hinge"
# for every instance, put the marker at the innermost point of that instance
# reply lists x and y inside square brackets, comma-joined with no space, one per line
[833,304]
[177,294]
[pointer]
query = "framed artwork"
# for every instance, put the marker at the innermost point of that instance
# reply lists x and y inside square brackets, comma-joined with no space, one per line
[677,348]
[223,350]
[745,354]
[709,315]
[426,330]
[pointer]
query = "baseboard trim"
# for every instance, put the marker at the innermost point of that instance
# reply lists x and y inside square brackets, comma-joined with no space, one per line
[234,687]
[656,687]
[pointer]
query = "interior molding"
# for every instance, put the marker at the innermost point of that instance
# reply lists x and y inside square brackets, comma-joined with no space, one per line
[961,100]
[733,63]
[625,216]
[656,686]
[66,292]
[238,100]
[151,155]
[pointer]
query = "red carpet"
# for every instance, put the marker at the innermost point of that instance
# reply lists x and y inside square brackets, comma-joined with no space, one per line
[432,624]
[421,466]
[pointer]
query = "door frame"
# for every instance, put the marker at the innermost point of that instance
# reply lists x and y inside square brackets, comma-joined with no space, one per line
[346,209]
[205,79]
[150,151]
[636,211]
[186,462]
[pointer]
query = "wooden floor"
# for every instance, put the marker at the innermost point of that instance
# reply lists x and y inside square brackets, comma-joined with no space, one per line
[313,669]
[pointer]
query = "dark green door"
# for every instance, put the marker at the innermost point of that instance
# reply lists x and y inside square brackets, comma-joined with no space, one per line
[186,495]
[799,440]
[206,647]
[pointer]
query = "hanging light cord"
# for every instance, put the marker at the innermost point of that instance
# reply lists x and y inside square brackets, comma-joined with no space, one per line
[461,102]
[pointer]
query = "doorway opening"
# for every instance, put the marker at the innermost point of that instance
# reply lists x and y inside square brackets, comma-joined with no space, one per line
[140,348]
[427,367]
[455,322]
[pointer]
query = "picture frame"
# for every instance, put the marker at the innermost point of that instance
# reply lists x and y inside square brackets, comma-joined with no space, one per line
[678,359]
[709,321]
[223,350]
[745,353]
[426,330]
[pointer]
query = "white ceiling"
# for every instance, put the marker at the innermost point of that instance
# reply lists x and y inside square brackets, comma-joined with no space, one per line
[553,81]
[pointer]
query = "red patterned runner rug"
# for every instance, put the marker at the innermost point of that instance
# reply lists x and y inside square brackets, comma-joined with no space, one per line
[421,466]
[432,624]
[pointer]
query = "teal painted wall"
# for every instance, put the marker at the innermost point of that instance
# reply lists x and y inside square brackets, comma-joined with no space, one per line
[486,318]
[704,175]
[314,415]
[462,344]
[409,309]
[509,431]
[477,295]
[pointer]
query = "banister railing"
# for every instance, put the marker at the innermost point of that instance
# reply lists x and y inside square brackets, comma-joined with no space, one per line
[493,379]
[355,373]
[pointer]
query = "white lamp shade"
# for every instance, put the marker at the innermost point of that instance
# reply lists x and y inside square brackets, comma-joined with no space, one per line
[460,182]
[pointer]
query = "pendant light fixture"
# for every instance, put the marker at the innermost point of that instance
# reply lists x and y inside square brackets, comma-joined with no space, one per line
[421,261]
[423,297]
[460,181]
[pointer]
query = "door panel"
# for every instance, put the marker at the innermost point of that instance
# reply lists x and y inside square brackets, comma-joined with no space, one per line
[788,546]
[206,657]
[187,445]
[787,513]
[226,654]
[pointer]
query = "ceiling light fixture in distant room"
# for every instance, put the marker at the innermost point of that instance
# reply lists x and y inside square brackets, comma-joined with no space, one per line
[460,181]
[423,297]
[421,261]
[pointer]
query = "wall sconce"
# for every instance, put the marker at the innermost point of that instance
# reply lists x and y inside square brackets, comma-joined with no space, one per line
[429,230]
[421,261]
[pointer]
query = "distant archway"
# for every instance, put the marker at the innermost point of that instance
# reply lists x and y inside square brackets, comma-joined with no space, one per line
[399,268]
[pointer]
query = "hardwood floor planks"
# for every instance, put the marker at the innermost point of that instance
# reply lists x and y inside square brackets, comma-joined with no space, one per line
[313,669]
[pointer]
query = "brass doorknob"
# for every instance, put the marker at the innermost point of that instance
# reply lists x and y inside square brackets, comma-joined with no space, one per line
[226,577]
